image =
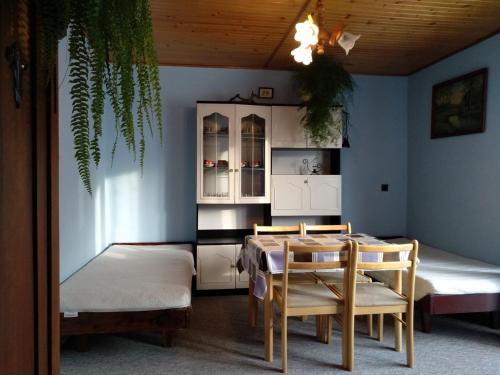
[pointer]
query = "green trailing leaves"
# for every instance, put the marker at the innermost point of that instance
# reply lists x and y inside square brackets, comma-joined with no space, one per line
[112,54]
[323,85]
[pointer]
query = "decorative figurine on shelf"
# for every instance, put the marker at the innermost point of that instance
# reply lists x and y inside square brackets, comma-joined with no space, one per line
[312,166]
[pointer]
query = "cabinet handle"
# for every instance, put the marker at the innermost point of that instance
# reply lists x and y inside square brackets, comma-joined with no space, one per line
[236,170]
[233,266]
[305,181]
[230,171]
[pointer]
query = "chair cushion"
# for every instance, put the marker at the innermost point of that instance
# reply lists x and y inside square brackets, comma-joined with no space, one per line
[309,295]
[376,294]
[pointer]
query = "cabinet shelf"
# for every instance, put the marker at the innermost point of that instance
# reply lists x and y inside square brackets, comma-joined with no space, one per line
[248,169]
[216,134]
[251,137]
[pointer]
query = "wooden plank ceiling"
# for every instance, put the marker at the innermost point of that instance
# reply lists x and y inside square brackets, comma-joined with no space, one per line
[398,36]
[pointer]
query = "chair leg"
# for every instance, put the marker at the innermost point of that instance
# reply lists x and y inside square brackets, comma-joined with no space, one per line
[329,328]
[398,333]
[409,338]
[369,325]
[320,328]
[380,335]
[284,338]
[349,335]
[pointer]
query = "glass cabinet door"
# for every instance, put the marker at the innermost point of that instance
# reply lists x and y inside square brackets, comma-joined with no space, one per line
[215,151]
[253,156]
[253,153]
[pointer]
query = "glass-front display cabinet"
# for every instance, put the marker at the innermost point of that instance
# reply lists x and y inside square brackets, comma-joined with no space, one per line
[233,147]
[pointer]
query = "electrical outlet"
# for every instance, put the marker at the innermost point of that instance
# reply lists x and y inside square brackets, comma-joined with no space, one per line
[384,187]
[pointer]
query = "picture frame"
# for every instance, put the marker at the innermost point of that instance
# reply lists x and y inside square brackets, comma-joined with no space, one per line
[459,105]
[266,92]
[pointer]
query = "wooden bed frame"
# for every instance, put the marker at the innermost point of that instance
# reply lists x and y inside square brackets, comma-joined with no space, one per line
[436,304]
[166,321]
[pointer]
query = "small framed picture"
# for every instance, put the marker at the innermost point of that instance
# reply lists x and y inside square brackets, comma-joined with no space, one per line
[266,92]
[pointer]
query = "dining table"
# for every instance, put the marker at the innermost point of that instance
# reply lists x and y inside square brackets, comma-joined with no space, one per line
[262,257]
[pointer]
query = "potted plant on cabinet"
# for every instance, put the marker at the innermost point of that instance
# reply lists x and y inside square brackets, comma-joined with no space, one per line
[323,85]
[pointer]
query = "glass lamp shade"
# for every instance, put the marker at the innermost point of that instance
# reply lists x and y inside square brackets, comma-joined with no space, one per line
[347,41]
[302,55]
[307,35]
[307,32]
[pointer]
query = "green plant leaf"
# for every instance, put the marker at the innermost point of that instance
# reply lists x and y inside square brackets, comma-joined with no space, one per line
[322,85]
[112,55]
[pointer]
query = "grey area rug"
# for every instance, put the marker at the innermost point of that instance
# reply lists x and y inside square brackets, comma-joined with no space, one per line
[220,341]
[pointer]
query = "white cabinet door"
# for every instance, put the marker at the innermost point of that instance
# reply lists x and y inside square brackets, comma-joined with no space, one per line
[241,278]
[324,194]
[252,171]
[305,195]
[287,130]
[215,151]
[215,267]
[288,194]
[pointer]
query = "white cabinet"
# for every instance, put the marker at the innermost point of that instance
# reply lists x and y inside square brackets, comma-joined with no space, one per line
[233,153]
[288,132]
[216,267]
[305,195]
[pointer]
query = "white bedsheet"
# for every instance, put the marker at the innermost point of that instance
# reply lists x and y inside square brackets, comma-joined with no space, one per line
[131,278]
[441,272]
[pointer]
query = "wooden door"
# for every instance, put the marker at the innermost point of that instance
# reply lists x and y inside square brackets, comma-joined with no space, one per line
[28,203]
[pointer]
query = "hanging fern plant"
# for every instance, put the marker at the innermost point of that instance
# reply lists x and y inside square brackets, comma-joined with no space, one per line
[112,54]
[323,85]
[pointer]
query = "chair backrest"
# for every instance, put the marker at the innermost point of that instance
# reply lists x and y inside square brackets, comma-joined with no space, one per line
[328,228]
[259,229]
[344,251]
[396,257]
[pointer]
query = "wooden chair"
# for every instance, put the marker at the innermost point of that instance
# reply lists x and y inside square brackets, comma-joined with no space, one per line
[327,228]
[298,299]
[253,305]
[377,298]
[336,277]
[261,229]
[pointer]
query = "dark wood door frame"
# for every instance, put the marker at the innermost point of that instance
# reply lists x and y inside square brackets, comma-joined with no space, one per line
[29,230]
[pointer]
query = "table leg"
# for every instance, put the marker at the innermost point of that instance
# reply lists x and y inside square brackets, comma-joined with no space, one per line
[252,305]
[268,319]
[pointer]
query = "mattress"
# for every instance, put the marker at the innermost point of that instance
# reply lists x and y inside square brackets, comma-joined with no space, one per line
[131,278]
[441,272]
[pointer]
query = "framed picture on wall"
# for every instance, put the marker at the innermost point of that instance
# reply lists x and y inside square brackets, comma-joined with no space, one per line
[266,92]
[459,105]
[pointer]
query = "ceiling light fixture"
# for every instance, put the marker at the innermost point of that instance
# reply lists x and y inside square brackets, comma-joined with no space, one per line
[312,37]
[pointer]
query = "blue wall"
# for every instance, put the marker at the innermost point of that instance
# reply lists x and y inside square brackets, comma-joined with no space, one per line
[377,156]
[161,205]
[454,182]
